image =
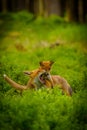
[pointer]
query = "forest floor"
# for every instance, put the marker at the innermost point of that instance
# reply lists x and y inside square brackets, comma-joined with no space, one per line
[24,42]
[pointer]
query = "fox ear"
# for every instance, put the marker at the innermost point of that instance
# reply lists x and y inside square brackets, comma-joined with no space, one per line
[51,62]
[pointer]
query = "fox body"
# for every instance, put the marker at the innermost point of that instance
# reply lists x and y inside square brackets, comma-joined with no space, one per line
[61,83]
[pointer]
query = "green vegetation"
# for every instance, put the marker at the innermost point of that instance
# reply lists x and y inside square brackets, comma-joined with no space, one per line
[24,41]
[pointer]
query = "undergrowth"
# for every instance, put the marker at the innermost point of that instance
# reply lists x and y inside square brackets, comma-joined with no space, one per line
[24,42]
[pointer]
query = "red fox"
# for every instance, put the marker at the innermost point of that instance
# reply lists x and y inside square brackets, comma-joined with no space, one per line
[42,77]
[35,77]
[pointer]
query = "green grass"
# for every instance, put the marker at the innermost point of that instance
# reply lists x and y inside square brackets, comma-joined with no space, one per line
[24,41]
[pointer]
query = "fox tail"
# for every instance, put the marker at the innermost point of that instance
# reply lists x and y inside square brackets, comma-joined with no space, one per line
[14,84]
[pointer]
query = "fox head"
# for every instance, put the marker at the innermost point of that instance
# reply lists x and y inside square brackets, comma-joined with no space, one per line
[46,65]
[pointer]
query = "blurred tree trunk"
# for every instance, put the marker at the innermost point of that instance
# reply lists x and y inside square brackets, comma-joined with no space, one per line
[0,6]
[4,6]
[20,5]
[80,11]
[41,9]
[63,7]
[31,6]
[27,4]
[13,5]
[46,7]
[70,9]
[76,10]
[52,7]
[85,10]
[38,7]
[55,7]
